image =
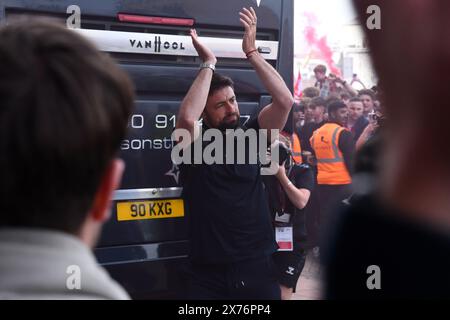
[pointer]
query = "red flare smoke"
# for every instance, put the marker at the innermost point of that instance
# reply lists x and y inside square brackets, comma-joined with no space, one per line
[298,87]
[320,44]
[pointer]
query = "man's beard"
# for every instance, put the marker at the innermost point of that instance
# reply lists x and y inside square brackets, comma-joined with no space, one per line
[224,125]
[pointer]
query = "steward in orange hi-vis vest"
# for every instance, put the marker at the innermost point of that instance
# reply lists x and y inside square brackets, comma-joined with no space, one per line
[330,161]
[296,149]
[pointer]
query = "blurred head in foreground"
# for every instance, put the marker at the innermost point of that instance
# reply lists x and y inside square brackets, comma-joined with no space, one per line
[64,108]
[373,252]
[411,54]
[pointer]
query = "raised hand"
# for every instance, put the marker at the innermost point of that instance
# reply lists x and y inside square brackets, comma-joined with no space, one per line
[205,54]
[248,19]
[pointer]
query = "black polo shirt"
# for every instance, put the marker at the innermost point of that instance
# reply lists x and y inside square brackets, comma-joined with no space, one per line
[229,219]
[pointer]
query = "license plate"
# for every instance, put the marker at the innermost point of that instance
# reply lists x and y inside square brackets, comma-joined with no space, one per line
[155,209]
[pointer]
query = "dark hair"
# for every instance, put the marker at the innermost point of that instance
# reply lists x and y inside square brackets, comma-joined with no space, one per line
[303,103]
[320,68]
[331,99]
[311,92]
[355,99]
[335,105]
[367,92]
[317,101]
[299,107]
[218,82]
[63,113]
[344,95]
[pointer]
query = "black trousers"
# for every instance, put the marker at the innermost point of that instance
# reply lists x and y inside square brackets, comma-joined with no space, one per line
[246,280]
[331,197]
[313,219]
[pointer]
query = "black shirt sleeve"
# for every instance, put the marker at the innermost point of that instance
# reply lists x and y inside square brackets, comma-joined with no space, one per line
[302,177]
[347,147]
[252,124]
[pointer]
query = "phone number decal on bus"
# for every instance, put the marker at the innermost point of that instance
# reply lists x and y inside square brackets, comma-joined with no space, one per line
[143,210]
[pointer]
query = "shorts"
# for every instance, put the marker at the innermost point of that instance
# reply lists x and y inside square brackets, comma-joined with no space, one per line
[289,266]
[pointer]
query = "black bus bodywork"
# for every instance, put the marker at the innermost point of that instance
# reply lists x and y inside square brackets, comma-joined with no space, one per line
[144,246]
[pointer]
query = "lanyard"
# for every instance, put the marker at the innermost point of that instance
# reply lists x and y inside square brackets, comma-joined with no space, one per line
[282,193]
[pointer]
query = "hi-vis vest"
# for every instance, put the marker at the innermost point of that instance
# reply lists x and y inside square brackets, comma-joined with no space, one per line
[296,149]
[330,162]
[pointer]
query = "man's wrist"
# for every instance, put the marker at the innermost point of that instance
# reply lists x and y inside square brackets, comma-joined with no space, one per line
[286,183]
[208,65]
[251,53]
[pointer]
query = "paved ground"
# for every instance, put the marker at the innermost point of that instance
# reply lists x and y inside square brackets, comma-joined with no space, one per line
[309,284]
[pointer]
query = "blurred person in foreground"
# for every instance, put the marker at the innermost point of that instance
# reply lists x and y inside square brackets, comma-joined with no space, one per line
[63,113]
[395,242]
